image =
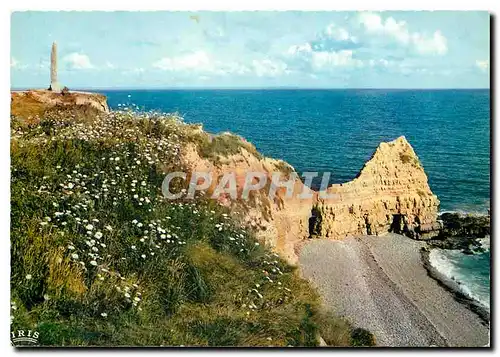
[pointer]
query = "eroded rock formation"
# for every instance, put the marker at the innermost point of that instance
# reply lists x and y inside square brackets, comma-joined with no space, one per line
[390,193]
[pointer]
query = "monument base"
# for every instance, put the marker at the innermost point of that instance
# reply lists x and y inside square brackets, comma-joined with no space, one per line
[55,87]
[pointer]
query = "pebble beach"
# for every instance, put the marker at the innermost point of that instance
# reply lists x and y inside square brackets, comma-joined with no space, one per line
[381,284]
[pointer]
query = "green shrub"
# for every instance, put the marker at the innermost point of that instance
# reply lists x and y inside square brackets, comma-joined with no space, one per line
[362,338]
[334,330]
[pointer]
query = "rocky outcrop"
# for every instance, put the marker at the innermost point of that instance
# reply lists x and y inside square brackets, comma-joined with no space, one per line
[35,102]
[465,225]
[390,193]
[465,232]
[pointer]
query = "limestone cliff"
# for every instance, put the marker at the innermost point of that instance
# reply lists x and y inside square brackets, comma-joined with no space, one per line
[390,193]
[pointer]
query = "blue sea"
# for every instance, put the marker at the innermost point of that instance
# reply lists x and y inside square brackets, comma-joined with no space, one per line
[338,130]
[472,272]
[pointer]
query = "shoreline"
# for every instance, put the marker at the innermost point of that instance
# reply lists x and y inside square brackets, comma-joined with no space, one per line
[454,288]
[381,284]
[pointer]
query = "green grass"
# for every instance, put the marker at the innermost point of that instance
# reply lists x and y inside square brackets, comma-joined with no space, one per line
[225,144]
[100,258]
[285,168]
[409,159]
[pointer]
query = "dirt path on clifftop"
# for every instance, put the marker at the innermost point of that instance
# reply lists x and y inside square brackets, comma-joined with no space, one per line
[380,284]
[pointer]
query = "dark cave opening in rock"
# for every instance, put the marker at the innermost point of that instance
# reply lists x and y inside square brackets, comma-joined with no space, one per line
[314,222]
[398,223]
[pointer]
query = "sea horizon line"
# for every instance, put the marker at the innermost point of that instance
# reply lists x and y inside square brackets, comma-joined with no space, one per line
[250,89]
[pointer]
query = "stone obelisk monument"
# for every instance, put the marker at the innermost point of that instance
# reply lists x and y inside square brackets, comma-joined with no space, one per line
[54,84]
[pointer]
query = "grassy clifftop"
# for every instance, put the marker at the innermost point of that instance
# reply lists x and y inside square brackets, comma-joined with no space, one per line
[100,258]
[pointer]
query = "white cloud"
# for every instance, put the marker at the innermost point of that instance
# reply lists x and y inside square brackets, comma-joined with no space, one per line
[226,68]
[324,60]
[338,33]
[322,54]
[483,65]
[197,60]
[323,41]
[43,65]
[436,44]
[269,68]
[15,64]
[343,58]
[215,33]
[77,61]
[398,31]
[299,49]
[110,65]
[382,62]
[335,48]
[374,23]
[137,71]
[200,62]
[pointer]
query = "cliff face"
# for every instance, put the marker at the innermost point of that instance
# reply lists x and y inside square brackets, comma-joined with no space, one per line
[280,222]
[391,193]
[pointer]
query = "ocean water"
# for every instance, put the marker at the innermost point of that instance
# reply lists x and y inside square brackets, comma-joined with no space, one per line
[338,131]
[470,271]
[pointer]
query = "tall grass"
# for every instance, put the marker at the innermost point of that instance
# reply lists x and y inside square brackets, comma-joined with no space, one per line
[100,258]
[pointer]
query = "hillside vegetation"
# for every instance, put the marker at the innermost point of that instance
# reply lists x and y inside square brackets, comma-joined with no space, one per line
[100,258]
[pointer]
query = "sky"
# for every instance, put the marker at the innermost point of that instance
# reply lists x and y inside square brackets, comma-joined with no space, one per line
[440,49]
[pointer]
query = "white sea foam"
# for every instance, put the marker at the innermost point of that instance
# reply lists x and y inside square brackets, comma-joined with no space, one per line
[473,213]
[442,263]
[485,242]
[450,263]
